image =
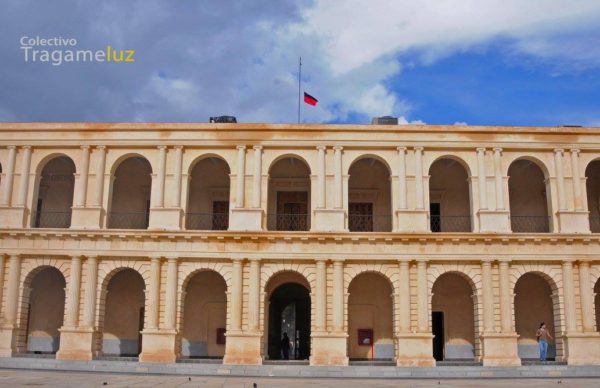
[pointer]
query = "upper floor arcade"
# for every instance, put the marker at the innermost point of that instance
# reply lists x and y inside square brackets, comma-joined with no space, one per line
[319,178]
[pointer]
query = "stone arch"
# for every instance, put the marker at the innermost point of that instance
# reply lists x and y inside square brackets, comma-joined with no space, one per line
[376,157]
[306,272]
[289,155]
[205,156]
[454,158]
[533,159]
[592,183]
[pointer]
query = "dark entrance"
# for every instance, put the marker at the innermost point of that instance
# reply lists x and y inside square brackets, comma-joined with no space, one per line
[437,328]
[289,312]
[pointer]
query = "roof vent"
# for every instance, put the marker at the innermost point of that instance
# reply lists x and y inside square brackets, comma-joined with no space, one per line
[385,120]
[222,119]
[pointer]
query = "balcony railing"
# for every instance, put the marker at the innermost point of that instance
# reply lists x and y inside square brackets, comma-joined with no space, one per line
[450,223]
[288,222]
[530,224]
[51,219]
[207,221]
[128,220]
[595,224]
[369,222]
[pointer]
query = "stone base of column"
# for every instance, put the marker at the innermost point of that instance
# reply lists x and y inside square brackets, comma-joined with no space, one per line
[8,342]
[76,344]
[329,220]
[573,221]
[162,218]
[13,217]
[242,349]
[414,349]
[158,346]
[494,221]
[412,221]
[500,349]
[329,349]
[582,348]
[245,219]
[86,218]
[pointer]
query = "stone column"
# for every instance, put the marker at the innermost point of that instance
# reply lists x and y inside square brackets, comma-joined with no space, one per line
[236,295]
[178,174]
[24,181]
[12,291]
[171,294]
[587,299]
[321,177]
[89,305]
[419,178]
[9,176]
[72,307]
[154,294]
[100,176]
[240,181]
[338,202]
[488,296]
[338,296]
[422,297]
[402,177]
[498,178]
[577,192]
[257,178]
[482,178]
[254,296]
[569,296]
[160,176]
[560,179]
[403,295]
[321,296]
[81,190]
[505,298]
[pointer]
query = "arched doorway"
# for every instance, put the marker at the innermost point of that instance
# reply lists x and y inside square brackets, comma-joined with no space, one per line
[54,194]
[449,196]
[44,310]
[534,303]
[453,318]
[204,316]
[369,196]
[130,194]
[370,318]
[289,311]
[529,197]
[592,173]
[289,205]
[123,314]
[208,199]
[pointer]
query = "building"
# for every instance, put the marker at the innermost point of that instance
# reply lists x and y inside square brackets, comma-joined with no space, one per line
[412,243]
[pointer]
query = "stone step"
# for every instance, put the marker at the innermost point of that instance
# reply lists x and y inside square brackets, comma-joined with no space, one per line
[458,363]
[119,358]
[285,362]
[372,363]
[200,360]
[35,355]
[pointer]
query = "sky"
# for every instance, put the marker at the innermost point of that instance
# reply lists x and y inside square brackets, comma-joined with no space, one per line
[485,62]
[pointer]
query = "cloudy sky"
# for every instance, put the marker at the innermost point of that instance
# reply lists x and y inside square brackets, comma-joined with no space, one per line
[506,62]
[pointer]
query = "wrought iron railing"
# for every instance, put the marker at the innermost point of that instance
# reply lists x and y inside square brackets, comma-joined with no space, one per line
[288,222]
[51,219]
[530,224]
[370,222]
[128,220]
[207,221]
[450,223]
[595,224]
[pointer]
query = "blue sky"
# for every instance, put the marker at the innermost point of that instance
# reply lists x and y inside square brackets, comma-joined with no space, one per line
[488,62]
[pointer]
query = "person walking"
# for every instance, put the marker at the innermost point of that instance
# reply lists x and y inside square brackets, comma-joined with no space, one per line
[285,346]
[543,335]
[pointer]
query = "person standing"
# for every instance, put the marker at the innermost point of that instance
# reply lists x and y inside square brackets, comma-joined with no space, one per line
[543,335]
[285,346]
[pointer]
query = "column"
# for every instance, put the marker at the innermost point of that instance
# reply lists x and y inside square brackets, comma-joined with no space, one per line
[321,177]
[81,190]
[154,293]
[321,295]
[89,305]
[9,176]
[505,298]
[72,308]
[419,177]
[569,296]
[24,181]
[498,178]
[560,179]
[12,291]
[178,174]
[338,202]
[488,296]
[240,178]
[576,179]
[254,296]
[100,176]
[171,294]
[587,300]
[257,178]
[338,296]
[404,297]
[236,295]
[422,297]
[482,178]
[402,177]
[160,176]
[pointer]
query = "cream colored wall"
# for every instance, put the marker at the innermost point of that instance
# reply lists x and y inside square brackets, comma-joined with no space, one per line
[46,310]
[370,181]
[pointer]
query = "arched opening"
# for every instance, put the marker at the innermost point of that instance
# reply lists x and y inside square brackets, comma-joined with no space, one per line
[288,205]
[453,318]
[44,310]
[130,195]
[449,197]
[529,198]
[369,196]
[592,173]
[54,194]
[208,200]
[288,311]
[534,303]
[124,314]
[370,318]
[204,316]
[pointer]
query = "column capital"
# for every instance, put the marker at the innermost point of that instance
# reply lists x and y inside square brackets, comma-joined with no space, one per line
[584,262]
[257,147]
[403,262]
[254,259]
[575,150]
[85,147]
[178,147]
[504,261]
[237,260]
[14,255]
[568,262]
[155,258]
[171,259]
[480,149]
[161,147]
[422,261]
[487,261]
[11,147]
[100,147]
[95,257]
[559,150]
[338,147]
[320,260]
[27,147]
[418,148]
[240,147]
[497,149]
[401,149]
[73,257]
[321,147]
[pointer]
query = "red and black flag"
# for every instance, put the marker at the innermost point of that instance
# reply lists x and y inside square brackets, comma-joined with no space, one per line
[310,100]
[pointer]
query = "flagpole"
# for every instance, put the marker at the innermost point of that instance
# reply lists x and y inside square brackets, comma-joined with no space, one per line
[299,78]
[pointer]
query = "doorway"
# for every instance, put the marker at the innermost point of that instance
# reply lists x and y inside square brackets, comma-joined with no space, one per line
[437,328]
[289,312]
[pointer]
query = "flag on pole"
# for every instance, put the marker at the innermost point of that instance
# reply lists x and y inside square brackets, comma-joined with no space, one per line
[310,100]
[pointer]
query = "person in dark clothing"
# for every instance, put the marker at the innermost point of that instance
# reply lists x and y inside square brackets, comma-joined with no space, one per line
[285,346]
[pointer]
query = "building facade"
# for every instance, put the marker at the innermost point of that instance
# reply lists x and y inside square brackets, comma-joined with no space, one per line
[407,243]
